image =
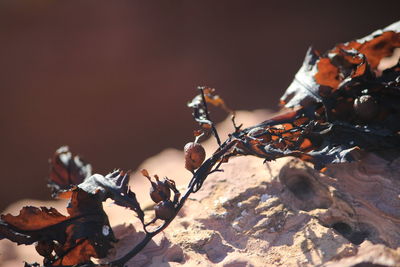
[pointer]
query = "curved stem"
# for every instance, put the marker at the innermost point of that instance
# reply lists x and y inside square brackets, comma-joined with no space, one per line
[194,185]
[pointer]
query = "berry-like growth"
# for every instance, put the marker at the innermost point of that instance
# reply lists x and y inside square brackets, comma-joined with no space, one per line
[164,210]
[366,108]
[194,156]
[160,190]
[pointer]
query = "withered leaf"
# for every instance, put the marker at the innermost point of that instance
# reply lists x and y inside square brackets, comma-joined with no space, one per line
[22,229]
[63,240]
[343,103]
[199,106]
[66,171]
[215,100]
[355,61]
[114,186]
[304,89]
[85,232]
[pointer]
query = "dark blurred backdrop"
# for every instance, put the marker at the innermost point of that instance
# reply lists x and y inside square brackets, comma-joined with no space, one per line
[111,78]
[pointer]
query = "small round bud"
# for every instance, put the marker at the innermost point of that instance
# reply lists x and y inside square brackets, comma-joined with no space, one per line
[194,156]
[165,210]
[366,108]
[159,191]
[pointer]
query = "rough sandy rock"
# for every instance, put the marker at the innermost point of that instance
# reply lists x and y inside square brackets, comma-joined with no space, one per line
[369,254]
[282,213]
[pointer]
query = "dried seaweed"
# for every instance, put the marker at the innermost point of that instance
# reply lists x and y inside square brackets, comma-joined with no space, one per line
[63,240]
[341,104]
[66,171]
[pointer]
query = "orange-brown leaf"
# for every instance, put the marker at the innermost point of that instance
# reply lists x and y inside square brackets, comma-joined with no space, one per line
[32,218]
[328,74]
[66,171]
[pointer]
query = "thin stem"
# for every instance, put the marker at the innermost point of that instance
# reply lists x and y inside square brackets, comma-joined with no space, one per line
[121,261]
[237,128]
[214,130]
[194,185]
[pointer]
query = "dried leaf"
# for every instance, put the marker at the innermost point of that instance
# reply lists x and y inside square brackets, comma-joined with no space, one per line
[85,232]
[66,171]
[347,63]
[304,89]
[63,240]
[215,100]
[199,106]
[342,103]
[114,186]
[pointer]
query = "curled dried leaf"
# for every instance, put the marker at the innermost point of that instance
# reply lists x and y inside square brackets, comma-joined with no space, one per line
[85,232]
[199,106]
[342,102]
[114,185]
[215,100]
[66,171]
[63,240]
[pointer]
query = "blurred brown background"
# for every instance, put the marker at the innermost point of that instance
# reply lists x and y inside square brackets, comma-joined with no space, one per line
[111,78]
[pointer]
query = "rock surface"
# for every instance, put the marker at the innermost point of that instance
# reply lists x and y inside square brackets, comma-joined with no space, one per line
[282,213]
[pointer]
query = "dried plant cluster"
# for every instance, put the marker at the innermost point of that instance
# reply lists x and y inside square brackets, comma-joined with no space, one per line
[341,103]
